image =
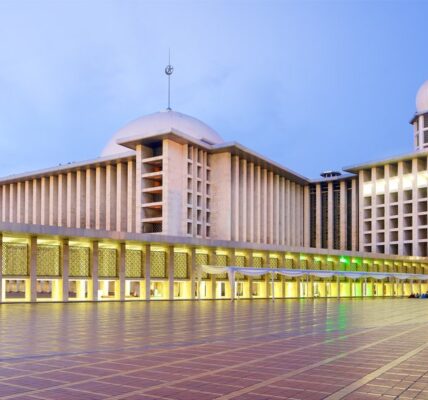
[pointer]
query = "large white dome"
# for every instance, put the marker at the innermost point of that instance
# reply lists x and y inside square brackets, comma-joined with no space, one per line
[162,122]
[422,98]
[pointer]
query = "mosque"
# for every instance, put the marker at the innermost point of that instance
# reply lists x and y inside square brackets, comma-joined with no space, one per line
[171,211]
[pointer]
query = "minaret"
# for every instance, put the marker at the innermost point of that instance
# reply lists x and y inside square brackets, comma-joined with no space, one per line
[169,69]
[420,120]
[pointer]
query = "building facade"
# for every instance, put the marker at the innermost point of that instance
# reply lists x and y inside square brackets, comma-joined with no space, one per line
[168,194]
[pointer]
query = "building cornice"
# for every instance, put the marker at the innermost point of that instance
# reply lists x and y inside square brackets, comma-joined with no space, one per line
[72,166]
[28,230]
[409,156]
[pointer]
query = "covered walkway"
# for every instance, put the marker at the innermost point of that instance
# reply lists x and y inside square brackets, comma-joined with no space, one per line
[283,282]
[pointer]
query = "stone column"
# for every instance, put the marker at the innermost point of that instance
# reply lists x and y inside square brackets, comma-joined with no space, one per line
[170,269]
[318,219]
[213,277]
[147,270]
[65,249]
[249,278]
[33,269]
[192,272]
[330,212]
[122,266]
[94,270]
[338,287]
[1,267]
[232,263]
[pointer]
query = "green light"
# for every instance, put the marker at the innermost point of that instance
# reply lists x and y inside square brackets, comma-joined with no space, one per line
[344,260]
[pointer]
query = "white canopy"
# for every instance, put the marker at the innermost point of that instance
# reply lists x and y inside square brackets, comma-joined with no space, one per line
[295,273]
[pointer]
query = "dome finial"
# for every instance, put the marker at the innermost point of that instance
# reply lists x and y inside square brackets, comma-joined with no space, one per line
[169,69]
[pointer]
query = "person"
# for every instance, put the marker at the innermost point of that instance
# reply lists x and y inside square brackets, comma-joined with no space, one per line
[417,295]
[412,296]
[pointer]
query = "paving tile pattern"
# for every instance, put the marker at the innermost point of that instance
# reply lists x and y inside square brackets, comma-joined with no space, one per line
[350,349]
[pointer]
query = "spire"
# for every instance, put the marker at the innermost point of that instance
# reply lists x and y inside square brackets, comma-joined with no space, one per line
[169,69]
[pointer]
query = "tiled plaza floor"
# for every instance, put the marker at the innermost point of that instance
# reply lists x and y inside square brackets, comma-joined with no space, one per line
[290,349]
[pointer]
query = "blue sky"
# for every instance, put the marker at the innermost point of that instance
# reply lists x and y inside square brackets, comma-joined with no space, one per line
[312,85]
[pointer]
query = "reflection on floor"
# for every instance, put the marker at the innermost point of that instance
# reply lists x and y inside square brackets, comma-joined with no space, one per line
[253,350]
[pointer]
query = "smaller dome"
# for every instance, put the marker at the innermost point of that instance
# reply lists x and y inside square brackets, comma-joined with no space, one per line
[161,122]
[422,98]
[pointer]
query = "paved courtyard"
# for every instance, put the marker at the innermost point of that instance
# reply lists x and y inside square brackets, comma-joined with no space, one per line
[290,349]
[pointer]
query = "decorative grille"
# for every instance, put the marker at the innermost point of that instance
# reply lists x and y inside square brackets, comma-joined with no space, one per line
[240,261]
[289,263]
[221,260]
[157,264]
[107,263]
[317,264]
[273,262]
[133,263]
[79,261]
[48,260]
[202,259]
[303,264]
[257,262]
[15,259]
[180,265]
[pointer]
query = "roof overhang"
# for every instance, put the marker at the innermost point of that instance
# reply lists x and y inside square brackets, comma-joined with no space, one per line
[409,156]
[72,166]
[232,147]
[54,232]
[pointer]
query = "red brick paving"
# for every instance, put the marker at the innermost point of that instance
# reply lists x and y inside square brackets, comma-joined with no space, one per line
[290,349]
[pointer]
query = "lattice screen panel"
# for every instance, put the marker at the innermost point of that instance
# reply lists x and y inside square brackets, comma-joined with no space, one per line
[274,263]
[331,265]
[157,264]
[180,266]
[289,263]
[240,261]
[107,263]
[317,264]
[15,259]
[48,260]
[258,263]
[303,264]
[202,259]
[134,264]
[79,261]
[221,260]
